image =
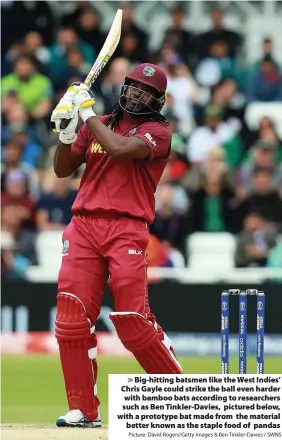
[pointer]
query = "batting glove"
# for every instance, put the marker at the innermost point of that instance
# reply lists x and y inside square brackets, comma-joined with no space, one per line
[67,135]
[64,108]
[83,99]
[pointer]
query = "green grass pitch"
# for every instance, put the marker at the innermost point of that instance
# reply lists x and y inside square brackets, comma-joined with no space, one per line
[33,388]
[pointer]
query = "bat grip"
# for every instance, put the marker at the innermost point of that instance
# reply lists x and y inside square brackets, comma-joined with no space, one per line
[64,123]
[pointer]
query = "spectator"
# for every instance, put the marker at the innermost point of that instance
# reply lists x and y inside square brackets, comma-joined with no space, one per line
[18,219]
[169,106]
[197,188]
[157,254]
[13,116]
[265,124]
[128,49]
[66,40]
[254,242]
[34,90]
[208,75]
[267,46]
[183,90]
[34,47]
[180,200]
[77,66]
[15,51]
[36,131]
[167,56]
[31,149]
[111,86]
[25,17]
[171,224]
[177,164]
[182,40]
[38,17]
[270,135]
[70,20]
[54,208]
[212,207]
[88,29]
[227,96]
[14,265]
[9,101]
[219,33]
[263,157]
[265,84]
[13,160]
[215,163]
[17,206]
[214,133]
[263,200]
[162,255]
[219,54]
[267,132]
[267,49]
[129,27]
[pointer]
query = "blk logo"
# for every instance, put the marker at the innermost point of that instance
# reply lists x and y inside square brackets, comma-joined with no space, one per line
[135,252]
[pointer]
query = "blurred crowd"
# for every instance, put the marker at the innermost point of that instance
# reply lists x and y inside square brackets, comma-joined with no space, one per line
[221,176]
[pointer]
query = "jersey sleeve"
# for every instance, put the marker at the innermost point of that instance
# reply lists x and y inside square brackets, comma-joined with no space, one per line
[80,145]
[157,138]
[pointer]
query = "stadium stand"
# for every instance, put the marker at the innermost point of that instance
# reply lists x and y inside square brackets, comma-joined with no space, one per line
[219,53]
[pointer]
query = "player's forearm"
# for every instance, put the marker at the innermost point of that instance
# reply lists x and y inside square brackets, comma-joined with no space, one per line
[65,163]
[113,143]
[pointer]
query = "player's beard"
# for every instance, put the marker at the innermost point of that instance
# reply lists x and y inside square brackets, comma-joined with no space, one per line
[134,106]
[131,102]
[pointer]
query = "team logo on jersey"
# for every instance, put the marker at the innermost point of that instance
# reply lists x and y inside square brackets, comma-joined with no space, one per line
[148,71]
[132,132]
[66,246]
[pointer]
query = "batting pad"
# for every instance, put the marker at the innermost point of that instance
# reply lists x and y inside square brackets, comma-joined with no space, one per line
[143,340]
[78,351]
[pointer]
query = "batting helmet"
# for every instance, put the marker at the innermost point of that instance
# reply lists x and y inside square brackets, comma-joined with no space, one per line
[152,76]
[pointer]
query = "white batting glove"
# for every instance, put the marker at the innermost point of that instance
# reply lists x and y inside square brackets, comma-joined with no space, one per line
[64,108]
[67,135]
[66,105]
[83,99]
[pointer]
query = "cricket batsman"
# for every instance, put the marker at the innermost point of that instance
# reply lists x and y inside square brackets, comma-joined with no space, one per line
[125,155]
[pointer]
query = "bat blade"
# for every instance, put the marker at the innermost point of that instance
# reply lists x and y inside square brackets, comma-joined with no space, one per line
[107,50]
[105,54]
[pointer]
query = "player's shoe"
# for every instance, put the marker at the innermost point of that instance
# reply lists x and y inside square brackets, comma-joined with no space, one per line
[75,419]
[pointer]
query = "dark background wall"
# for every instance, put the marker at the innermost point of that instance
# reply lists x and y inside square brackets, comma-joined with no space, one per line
[178,307]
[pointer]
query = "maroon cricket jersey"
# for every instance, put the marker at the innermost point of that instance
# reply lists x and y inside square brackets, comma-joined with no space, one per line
[111,186]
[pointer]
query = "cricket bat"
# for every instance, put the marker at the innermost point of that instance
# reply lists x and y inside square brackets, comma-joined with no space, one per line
[105,54]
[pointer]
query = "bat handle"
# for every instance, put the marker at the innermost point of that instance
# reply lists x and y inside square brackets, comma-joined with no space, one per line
[64,123]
